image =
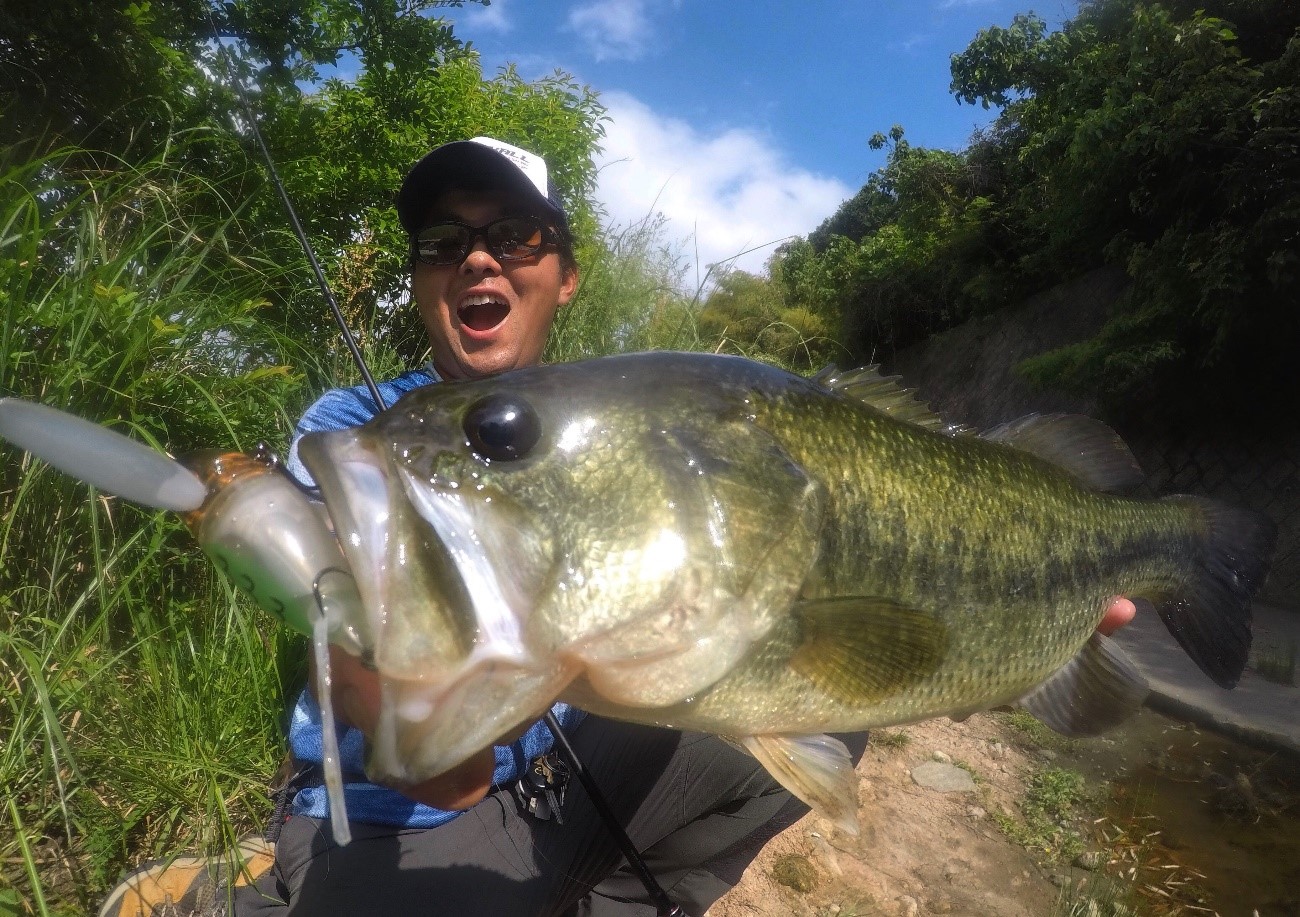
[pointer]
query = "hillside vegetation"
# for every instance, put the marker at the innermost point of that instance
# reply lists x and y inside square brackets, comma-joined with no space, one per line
[1161,138]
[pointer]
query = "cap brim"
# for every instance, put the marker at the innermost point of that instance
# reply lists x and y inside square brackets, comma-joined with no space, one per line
[469,165]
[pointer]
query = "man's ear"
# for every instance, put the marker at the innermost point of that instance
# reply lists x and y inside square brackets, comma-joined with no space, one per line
[568,284]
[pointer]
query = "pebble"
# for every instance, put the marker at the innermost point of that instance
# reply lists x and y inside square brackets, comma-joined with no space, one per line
[997,751]
[908,906]
[941,756]
[976,812]
[1061,879]
[944,778]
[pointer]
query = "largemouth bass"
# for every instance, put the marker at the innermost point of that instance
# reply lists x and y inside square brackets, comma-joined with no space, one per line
[709,543]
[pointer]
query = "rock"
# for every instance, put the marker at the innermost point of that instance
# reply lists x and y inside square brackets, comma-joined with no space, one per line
[1061,879]
[944,778]
[997,751]
[826,855]
[976,812]
[908,906]
[941,756]
[1090,860]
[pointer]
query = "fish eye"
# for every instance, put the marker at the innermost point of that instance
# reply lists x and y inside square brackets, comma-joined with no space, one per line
[502,427]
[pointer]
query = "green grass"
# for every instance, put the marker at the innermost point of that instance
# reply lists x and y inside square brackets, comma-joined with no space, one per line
[1049,811]
[139,698]
[1276,661]
[1034,733]
[892,739]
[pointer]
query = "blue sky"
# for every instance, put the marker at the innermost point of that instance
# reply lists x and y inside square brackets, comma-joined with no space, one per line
[744,123]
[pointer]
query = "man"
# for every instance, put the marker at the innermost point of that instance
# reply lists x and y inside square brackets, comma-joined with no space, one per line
[492,263]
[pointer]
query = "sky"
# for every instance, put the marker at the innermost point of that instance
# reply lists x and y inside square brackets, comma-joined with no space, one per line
[746,123]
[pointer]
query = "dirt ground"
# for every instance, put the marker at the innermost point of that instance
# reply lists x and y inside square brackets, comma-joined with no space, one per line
[921,851]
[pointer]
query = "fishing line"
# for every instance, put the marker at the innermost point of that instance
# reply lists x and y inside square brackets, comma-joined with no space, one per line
[664,906]
[232,77]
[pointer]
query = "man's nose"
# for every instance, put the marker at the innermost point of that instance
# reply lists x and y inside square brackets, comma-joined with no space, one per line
[479,260]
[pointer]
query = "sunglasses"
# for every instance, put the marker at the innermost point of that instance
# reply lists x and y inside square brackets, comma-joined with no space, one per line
[508,239]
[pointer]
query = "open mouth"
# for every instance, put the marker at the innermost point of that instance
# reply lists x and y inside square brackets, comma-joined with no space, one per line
[482,313]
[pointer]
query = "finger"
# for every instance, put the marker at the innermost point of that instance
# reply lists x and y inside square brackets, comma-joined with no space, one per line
[1118,613]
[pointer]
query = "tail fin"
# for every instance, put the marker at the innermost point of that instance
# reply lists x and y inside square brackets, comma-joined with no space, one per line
[1212,620]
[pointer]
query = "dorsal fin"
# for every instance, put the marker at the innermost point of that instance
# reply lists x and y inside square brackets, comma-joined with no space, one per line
[1082,445]
[885,393]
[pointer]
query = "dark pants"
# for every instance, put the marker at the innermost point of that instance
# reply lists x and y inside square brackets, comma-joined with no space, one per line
[697,808]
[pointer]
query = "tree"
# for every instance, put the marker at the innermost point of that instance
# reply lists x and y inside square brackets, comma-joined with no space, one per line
[1160,138]
[123,74]
[341,146]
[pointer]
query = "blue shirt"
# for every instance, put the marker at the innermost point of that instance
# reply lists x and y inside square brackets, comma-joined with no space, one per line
[366,801]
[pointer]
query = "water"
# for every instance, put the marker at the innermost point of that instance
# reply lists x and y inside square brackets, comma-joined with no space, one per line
[1208,826]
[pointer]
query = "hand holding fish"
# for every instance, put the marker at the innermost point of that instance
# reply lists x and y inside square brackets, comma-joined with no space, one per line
[358,700]
[531,544]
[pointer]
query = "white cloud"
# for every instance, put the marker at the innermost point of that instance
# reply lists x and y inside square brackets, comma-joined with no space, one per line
[729,189]
[613,29]
[491,18]
[912,41]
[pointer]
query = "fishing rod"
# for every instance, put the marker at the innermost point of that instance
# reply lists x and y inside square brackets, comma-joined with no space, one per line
[232,76]
[664,905]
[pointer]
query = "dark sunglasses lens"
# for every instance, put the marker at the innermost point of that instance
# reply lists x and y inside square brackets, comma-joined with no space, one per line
[511,239]
[514,237]
[446,243]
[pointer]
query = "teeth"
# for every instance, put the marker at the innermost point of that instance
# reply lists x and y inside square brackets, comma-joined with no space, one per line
[482,300]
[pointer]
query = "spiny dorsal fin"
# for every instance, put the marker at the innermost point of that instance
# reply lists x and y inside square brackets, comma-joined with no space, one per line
[1082,445]
[885,393]
[861,649]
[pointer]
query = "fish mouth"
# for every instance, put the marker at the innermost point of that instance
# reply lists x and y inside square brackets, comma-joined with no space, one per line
[483,313]
[448,579]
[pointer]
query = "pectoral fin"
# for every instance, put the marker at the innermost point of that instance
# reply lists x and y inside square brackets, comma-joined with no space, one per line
[817,769]
[1096,690]
[862,649]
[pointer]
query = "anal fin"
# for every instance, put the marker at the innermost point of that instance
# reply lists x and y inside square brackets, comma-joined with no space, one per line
[816,768]
[1095,691]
